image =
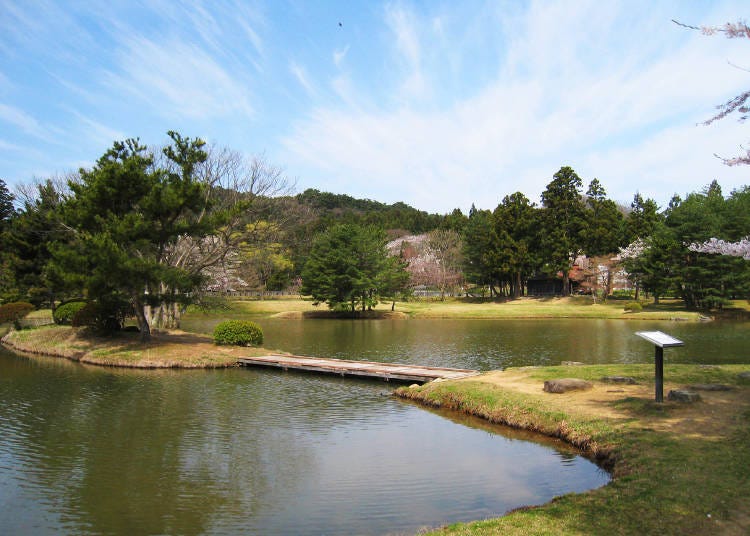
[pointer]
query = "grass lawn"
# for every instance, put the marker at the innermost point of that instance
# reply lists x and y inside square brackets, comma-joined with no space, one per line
[677,468]
[573,307]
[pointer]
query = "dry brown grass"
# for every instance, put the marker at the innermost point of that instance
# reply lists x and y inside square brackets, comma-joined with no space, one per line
[167,349]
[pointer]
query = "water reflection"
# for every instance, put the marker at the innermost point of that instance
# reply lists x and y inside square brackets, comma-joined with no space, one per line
[106,451]
[496,344]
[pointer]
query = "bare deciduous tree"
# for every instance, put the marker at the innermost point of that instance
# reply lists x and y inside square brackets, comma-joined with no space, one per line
[238,205]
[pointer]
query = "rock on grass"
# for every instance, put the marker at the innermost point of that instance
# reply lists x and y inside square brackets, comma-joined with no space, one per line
[563,385]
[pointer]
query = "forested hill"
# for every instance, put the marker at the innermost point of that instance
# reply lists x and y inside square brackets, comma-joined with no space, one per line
[342,208]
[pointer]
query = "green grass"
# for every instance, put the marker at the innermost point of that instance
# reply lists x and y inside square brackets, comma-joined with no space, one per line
[678,469]
[573,307]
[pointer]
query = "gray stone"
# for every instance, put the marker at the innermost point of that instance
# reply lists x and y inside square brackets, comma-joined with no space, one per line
[710,387]
[619,379]
[744,375]
[563,385]
[571,363]
[681,395]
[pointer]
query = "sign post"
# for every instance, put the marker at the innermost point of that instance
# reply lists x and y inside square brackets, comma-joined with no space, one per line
[660,341]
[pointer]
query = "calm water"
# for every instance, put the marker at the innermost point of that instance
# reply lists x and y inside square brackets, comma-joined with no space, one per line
[105,451]
[496,344]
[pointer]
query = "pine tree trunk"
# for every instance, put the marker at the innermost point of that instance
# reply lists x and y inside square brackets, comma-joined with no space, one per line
[140,316]
[566,283]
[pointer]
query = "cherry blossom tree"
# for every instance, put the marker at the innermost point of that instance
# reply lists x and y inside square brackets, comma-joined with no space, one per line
[722,247]
[740,103]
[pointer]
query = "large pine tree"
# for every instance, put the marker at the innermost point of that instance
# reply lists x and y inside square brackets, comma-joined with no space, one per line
[349,267]
[123,214]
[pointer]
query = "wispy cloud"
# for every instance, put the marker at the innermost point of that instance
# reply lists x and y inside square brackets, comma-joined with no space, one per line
[6,146]
[97,132]
[339,55]
[403,26]
[571,88]
[24,121]
[302,77]
[178,79]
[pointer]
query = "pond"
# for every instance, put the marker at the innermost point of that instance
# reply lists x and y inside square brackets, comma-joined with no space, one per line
[88,450]
[107,451]
[497,344]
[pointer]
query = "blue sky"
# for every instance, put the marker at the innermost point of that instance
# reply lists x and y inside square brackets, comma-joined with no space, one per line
[437,104]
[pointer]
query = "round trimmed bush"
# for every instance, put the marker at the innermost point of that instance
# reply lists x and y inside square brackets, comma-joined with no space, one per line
[633,307]
[13,312]
[64,313]
[238,333]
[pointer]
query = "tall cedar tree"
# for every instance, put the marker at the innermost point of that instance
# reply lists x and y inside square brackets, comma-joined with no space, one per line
[564,222]
[124,214]
[605,224]
[643,218]
[516,220]
[480,249]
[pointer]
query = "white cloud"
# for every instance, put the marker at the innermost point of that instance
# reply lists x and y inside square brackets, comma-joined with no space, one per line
[6,146]
[24,121]
[302,77]
[179,79]
[97,132]
[403,28]
[339,55]
[587,85]
[403,25]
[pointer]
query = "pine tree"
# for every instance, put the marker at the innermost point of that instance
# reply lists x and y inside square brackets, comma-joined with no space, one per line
[349,267]
[124,213]
[6,205]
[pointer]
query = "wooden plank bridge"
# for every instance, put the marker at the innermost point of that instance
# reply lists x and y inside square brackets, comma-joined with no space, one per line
[368,369]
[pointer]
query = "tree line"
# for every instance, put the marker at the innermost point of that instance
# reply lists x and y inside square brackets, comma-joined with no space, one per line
[144,230]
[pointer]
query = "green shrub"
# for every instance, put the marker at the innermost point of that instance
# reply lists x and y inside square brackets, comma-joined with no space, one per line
[102,317]
[64,313]
[633,307]
[714,302]
[238,333]
[87,315]
[13,312]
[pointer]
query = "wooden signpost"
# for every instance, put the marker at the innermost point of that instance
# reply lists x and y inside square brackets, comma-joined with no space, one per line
[660,341]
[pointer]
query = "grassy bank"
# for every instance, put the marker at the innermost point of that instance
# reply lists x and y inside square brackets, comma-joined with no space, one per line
[677,468]
[573,307]
[173,349]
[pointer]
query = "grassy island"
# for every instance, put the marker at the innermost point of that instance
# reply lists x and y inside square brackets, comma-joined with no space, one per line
[167,349]
[677,468]
[571,307]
